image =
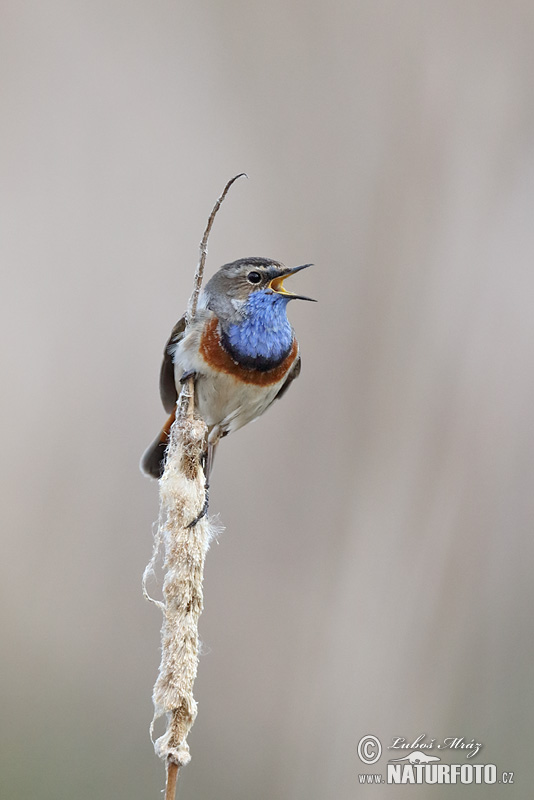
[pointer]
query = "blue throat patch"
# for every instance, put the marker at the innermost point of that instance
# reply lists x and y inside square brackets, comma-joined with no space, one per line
[264,338]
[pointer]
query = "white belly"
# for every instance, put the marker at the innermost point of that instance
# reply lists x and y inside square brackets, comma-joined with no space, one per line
[227,404]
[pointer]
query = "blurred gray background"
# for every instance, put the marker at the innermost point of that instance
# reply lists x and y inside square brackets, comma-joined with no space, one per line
[374,576]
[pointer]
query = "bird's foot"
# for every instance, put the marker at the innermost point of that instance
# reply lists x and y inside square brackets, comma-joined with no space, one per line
[189,374]
[204,508]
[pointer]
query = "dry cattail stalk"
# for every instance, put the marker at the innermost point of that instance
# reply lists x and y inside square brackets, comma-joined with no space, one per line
[182,499]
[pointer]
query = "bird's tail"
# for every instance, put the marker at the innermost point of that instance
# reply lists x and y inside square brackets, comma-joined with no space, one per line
[153,460]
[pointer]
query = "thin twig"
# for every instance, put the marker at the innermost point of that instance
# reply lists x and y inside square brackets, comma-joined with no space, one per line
[199,274]
[186,402]
[172,777]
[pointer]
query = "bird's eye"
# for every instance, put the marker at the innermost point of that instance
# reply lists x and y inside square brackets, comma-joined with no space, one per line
[254,277]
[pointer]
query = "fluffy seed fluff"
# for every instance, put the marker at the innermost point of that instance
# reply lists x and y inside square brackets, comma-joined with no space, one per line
[182,497]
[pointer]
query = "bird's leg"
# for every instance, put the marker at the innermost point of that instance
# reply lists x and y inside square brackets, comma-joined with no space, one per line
[204,511]
[189,374]
[207,464]
[210,455]
[205,507]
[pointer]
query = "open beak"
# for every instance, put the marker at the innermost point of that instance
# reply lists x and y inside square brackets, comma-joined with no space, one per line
[277,283]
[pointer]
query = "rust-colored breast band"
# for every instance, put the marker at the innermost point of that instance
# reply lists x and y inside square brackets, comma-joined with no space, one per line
[217,357]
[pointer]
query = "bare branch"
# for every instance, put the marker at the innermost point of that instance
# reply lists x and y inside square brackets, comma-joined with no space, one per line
[199,274]
[172,777]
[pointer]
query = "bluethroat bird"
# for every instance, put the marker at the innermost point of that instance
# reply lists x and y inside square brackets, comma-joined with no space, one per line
[240,349]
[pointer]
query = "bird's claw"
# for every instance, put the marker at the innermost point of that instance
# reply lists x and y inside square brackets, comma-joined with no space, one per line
[204,511]
[189,374]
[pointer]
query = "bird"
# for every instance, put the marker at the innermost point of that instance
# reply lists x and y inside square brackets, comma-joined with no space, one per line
[240,348]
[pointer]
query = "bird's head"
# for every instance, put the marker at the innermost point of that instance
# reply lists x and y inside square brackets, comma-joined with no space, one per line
[229,291]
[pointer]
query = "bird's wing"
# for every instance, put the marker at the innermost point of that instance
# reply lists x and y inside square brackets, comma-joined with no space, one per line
[167,384]
[293,373]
